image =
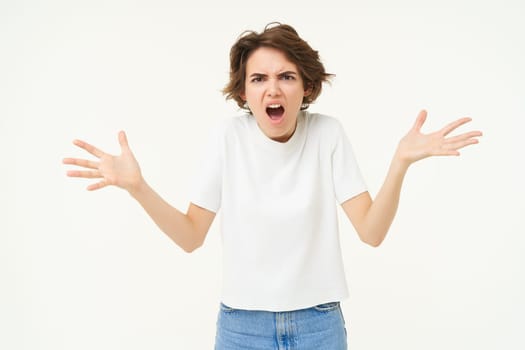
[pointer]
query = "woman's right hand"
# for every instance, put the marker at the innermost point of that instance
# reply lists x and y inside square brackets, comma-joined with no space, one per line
[122,171]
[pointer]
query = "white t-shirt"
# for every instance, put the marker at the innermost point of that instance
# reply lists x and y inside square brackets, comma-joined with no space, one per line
[278,203]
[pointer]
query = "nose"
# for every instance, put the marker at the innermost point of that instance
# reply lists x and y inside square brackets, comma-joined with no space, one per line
[273,88]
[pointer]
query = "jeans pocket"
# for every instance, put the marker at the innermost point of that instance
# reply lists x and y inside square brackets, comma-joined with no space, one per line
[326,307]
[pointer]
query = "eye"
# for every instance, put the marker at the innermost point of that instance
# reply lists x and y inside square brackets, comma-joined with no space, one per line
[288,77]
[256,79]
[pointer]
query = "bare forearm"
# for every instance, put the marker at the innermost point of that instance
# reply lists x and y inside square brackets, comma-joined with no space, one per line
[177,225]
[383,209]
[372,219]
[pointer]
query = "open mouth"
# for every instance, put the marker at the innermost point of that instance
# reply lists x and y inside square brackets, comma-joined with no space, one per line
[275,112]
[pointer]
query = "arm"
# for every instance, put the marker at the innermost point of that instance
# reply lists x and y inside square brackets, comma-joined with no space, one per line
[186,230]
[372,219]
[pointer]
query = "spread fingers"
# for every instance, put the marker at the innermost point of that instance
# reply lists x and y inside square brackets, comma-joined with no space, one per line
[81,162]
[90,148]
[89,174]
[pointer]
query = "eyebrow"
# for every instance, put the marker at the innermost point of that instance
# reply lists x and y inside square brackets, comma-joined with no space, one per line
[288,72]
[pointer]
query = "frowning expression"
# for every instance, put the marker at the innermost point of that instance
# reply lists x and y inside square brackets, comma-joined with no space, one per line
[274,91]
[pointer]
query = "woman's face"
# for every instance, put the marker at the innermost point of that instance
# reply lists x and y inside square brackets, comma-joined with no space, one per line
[274,91]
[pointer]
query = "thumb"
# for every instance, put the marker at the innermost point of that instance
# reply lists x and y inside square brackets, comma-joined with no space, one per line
[420,120]
[123,140]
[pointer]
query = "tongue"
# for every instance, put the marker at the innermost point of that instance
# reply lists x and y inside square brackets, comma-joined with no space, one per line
[275,113]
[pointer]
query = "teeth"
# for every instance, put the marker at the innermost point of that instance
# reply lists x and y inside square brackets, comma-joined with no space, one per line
[275,105]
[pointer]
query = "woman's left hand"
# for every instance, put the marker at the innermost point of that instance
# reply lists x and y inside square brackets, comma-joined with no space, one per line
[416,145]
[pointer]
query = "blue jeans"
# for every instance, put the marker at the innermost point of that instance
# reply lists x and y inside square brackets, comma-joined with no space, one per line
[321,327]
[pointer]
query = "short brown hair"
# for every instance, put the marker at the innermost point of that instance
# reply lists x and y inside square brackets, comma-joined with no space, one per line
[282,37]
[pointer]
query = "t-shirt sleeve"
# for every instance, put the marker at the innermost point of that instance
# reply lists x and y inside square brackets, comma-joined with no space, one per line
[347,178]
[206,187]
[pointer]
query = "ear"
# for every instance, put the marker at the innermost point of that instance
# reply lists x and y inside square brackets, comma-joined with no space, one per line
[242,95]
[308,90]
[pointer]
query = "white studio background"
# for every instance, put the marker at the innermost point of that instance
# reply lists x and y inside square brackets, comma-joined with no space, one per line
[89,270]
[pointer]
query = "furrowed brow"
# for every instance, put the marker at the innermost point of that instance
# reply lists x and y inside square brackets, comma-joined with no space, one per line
[257,75]
[289,72]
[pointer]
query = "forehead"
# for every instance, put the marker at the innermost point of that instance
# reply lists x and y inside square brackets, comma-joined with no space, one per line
[269,60]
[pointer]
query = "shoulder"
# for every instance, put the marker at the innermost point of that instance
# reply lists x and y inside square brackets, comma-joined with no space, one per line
[323,122]
[323,126]
[230,129]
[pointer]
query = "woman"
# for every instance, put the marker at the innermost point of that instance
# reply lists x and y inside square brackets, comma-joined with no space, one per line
[276,173]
